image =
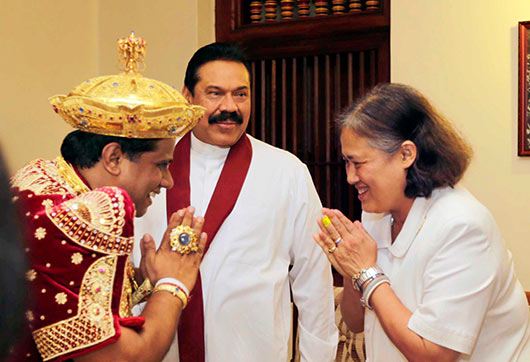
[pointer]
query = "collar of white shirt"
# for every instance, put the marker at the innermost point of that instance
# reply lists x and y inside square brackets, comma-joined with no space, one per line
[207,150]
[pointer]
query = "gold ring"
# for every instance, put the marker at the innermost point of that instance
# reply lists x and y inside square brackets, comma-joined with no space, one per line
[332,249]
[183,239]
[326,221]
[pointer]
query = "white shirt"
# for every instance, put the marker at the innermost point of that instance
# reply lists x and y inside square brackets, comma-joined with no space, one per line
[456,276]
[245,273]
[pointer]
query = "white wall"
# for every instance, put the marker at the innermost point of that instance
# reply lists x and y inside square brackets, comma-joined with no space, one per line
[168,26]
[49,47]
[206,10]
[463,56]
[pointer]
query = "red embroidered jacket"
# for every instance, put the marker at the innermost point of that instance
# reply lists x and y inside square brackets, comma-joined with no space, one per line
[78,243]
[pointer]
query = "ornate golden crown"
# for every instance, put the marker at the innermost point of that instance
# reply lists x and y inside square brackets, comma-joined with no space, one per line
[127,104]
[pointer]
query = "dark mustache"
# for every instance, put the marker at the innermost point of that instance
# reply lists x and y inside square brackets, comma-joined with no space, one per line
[225,115]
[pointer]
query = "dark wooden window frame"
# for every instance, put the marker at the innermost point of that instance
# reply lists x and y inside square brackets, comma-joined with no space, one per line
[324,34]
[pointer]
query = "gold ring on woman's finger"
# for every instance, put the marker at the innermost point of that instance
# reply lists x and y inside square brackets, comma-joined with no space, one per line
[183,240]
[332,249]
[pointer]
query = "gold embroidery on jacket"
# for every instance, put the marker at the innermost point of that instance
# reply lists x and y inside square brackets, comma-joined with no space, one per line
[40,233]
[68,173]
[95,221]
[44,177]
[31,275]
[94,322]
[76,258]
[126,303]
[61,298]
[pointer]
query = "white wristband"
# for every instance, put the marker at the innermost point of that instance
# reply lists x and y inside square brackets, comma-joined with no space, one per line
[173,281]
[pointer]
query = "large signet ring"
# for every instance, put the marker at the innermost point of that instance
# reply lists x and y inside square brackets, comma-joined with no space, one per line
[183,239]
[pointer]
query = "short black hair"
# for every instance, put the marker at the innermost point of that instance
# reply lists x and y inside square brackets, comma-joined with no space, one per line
[83,149]
[210,53]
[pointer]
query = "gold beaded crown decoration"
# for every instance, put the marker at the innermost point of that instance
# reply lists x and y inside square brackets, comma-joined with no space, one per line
[127,104]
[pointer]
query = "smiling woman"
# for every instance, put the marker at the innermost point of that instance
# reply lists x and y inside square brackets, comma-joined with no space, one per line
[377,175]
[427,252]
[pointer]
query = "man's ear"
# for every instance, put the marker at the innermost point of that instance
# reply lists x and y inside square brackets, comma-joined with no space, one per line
[408,153]
[112,158]
[187,94]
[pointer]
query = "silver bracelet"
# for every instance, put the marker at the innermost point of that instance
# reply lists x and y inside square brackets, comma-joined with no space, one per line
[366,275]
[173,281]
[372,285]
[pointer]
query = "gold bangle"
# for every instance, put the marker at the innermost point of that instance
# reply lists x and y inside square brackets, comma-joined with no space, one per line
[174,290]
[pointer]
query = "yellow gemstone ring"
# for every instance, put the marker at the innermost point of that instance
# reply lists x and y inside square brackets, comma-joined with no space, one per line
[183,239]
[326,221]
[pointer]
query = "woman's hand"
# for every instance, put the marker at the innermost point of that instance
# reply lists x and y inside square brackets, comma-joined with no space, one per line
[164,262]
[356,249]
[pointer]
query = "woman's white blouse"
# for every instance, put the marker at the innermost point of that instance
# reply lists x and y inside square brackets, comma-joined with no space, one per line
[450,267]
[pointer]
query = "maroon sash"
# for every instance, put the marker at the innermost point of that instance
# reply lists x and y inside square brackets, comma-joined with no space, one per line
[191,326]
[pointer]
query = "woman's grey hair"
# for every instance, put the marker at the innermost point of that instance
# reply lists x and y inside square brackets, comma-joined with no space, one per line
[393,113]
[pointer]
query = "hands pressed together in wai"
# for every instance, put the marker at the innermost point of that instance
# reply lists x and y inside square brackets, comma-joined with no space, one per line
[347,244]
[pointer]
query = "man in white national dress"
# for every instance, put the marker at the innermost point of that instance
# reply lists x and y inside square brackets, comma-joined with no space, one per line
[260,207]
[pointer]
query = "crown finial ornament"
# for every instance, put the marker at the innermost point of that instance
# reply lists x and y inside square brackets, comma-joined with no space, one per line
[127,104]
[132,52]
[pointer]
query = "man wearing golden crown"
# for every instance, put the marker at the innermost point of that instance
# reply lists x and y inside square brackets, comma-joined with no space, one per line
[260,208]
[78,213]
